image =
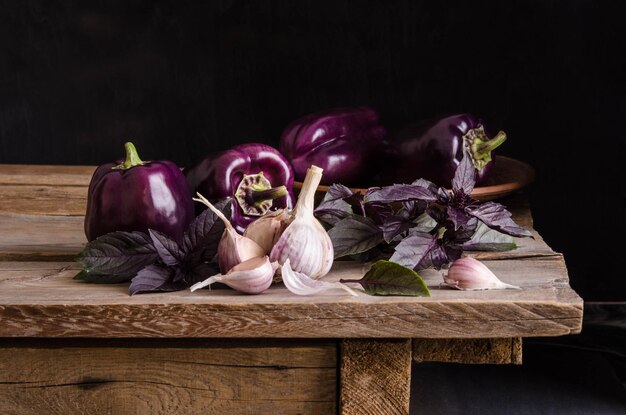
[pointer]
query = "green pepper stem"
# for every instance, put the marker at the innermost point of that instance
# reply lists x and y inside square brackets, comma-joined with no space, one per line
[254,196]
[492,144]
[132,158]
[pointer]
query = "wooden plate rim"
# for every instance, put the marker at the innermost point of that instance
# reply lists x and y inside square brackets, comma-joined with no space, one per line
[524,175]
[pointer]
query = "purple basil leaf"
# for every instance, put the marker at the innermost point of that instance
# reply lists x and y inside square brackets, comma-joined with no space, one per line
[394,226]
[497,217]
[443,196]
[204,234]
[461,234]
[169,251]
[453,252]
[378,212]
[337,192]
[464,176]
[457,216]
[413,208]
[100,278]
[331,216]
[436,257]
[206,228]
[412,249]
[119,255]
[401,193]
[354,235]
[155,278]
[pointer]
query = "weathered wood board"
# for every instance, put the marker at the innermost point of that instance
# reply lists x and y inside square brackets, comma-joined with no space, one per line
[243,379]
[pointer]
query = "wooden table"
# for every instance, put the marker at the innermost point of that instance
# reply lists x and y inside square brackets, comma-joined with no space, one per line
[71,347]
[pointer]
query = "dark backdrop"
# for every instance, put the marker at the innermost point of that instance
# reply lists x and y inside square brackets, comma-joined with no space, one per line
[180,79]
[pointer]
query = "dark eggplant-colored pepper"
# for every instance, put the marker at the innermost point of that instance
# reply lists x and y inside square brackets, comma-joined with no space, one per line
[138,195]
[433,149]
[257,176]
[342,141]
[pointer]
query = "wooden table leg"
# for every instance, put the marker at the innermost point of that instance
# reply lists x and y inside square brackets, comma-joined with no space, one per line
[375,377]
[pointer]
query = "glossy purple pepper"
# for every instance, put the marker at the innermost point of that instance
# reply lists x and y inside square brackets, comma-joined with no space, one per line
[256,176]
[138,195]
[433,149]
[344,142]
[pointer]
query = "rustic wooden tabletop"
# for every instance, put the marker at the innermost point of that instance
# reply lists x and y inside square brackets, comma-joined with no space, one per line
[72,347]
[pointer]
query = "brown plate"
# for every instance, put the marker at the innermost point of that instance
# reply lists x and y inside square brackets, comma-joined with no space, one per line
[509,175]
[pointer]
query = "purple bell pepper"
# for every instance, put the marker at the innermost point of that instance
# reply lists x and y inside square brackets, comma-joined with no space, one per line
[433,149]
[138,195]
[256,176]
[342,141]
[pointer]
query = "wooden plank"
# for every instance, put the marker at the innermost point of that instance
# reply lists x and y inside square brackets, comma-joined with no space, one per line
[136,380]
[477,351]
[45,175]
[44,238]
[375,377]
[43,200]
[41,300]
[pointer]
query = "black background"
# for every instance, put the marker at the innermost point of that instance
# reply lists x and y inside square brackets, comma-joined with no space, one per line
[180,79]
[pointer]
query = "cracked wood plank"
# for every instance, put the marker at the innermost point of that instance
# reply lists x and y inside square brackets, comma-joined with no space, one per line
[375,377]
[240,379]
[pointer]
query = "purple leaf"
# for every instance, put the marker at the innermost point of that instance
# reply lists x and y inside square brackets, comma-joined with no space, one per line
[331,216]
[203,235]
[396,225]
[378,212]
[169,251]
[354,235]
[401,193]
[464,176]
[413,249]
[497,217]
[117,254]
[155,278]
[458,216]
[487,239]
[436,257]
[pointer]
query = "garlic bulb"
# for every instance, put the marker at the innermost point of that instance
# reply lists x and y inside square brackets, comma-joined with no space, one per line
[470,274]
[304,242]
[251,277]
[233,248]
[300,284]
[266,230]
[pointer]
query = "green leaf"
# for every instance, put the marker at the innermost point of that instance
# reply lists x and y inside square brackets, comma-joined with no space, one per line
[487,239]
[353,235]
[390,278]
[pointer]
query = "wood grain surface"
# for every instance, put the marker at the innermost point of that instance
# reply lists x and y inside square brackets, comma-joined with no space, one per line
[240,379]
[375,377]
[475,351]
[38,297]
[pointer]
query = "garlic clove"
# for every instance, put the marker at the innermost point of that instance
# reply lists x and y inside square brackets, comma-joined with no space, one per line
[233,248]
[470,274]
[250,277]
[266,230]
[304,242]
[301,284]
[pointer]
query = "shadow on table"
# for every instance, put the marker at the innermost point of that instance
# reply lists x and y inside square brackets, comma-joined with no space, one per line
[582,374]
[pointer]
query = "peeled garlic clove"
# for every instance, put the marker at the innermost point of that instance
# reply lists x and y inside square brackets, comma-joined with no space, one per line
[470,274]
[304,242]
[233,248]
[250,277]
[300,284]
[266,230]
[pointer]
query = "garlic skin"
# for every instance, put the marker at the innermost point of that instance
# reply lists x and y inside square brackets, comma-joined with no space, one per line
[304,242]
[266,230]
[250,277]
[470,274]
[300,284]
[233,248]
